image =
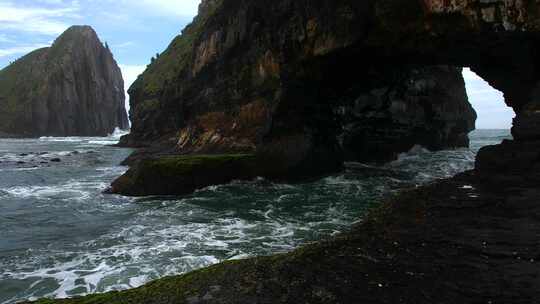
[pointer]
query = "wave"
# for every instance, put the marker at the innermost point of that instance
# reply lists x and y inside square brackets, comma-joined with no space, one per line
[73,190]
[112,138]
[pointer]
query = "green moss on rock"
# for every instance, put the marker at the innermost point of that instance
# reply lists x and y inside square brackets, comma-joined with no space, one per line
[178,175]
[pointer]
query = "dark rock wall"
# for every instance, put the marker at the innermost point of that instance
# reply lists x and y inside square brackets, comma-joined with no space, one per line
[73,88]
[425,106]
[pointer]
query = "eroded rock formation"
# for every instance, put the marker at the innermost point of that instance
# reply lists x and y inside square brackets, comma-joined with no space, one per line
[267,78]
[73,88]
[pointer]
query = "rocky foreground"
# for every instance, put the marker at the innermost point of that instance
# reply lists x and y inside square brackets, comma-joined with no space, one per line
[469,239]
[73,88]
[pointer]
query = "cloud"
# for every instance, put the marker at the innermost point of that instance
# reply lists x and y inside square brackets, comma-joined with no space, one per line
[469,75]
[42,20]
[130,74]
[124,45]
[170,8]
[20,50]
[4,38]
[488,102]
[180,8]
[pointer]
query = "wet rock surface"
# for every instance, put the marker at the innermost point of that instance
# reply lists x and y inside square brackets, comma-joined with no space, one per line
[180,175]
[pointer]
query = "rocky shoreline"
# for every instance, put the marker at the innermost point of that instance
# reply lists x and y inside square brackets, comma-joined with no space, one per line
[463,240]
[242,94]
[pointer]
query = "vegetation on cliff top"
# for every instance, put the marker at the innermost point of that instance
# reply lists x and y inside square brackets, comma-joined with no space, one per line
[176,58]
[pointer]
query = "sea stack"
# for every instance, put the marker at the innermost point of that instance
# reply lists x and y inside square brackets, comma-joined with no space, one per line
[73,88]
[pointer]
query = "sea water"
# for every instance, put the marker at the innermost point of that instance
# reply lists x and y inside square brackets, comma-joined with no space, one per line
[61,237]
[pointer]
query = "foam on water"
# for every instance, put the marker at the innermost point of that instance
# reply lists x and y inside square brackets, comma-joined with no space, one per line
[70,190]
[61,237]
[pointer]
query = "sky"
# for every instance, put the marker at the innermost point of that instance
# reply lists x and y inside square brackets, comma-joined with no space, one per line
[489,104]
[136,30]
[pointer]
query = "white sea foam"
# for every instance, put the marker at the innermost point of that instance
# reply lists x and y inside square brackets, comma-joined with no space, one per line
[61,139]
[72,190]
[111,139]
[18,169]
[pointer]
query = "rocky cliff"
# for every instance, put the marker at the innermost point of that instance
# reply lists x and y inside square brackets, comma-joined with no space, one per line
[307,84]
[73,88]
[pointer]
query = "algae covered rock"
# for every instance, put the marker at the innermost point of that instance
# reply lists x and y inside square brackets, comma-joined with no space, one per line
[183,174]
[73,88]
[178,175]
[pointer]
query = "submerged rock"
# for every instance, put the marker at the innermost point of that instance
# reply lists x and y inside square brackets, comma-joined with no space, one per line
[73,88]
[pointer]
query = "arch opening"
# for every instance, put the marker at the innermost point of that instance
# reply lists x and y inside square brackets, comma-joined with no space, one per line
[488,102]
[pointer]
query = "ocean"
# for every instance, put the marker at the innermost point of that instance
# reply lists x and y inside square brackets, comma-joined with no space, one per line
[61,237]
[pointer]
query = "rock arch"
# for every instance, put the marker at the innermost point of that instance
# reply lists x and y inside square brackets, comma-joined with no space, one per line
[256,77]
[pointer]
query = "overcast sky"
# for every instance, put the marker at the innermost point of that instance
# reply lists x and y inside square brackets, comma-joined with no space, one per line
[138,29]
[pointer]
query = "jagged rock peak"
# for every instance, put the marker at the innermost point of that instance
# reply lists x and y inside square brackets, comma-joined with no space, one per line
[77,33]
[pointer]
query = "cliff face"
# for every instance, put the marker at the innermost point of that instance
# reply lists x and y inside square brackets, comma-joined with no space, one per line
[306,84]
[252,77]
[73,88]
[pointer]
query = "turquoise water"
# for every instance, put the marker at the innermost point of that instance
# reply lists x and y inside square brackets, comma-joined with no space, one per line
[60,236]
